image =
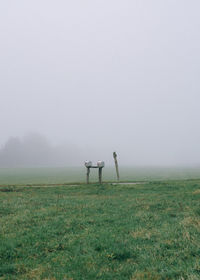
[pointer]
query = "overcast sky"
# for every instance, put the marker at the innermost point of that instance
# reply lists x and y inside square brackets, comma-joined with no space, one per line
[111,74]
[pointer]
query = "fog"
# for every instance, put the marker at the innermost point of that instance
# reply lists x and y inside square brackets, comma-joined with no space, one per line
[92,77]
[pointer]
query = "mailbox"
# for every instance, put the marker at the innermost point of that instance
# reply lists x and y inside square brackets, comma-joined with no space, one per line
[100,163]
[88,163]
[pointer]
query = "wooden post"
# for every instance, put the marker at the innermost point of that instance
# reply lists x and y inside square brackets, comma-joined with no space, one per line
[88,174]
[100,175]
[116,165]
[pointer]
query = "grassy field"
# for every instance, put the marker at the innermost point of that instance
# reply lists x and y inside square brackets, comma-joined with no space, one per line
[15,176]
[144,231]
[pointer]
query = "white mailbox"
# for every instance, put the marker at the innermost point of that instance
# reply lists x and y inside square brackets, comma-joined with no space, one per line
[100,163]
[88,163]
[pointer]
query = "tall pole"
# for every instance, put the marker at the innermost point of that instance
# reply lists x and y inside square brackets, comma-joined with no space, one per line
[116,165]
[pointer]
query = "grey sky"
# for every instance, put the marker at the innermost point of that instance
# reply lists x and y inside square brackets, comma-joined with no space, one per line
[115,74]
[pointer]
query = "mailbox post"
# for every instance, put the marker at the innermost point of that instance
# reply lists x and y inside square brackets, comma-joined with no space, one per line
[100,165]
[88,165]
[88,174]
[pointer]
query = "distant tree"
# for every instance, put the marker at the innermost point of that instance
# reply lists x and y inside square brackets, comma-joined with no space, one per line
[35,150]
[11,153]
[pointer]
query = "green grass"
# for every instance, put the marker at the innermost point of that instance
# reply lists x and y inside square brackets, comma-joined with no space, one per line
[78,174]
[144,231]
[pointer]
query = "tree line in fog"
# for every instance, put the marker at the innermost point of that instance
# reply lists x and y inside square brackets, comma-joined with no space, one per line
[35,150]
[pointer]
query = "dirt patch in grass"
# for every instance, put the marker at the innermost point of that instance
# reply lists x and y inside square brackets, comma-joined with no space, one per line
[197,191]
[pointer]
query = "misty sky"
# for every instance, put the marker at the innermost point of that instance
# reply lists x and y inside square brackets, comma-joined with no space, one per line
[113,75]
